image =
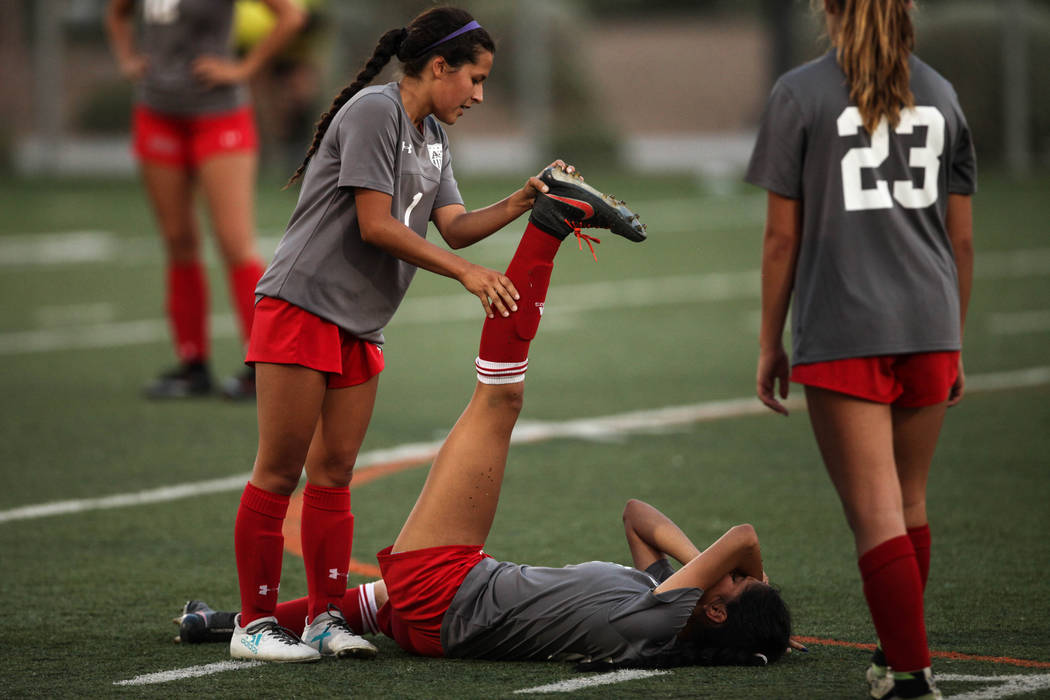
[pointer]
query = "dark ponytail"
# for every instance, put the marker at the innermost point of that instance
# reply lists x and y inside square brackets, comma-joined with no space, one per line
[414,46]
[756,633]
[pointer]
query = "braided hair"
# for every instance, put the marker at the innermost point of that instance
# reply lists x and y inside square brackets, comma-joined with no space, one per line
[414,46]
[756,632]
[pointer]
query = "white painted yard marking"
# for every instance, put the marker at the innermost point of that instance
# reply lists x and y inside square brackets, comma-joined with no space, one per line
[179,674]
[592,681]
[1004,686]
[601,428]
[1012,323]
[57,248]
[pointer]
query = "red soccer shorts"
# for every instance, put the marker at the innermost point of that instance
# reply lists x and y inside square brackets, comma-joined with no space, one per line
[909,381]
[285,334]
[187,140]
[421,585]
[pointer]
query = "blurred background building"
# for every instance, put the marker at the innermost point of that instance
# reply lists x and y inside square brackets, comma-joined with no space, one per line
[671,85]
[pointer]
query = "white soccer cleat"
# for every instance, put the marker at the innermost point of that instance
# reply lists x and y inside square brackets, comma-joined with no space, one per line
[330,635]
[265,640]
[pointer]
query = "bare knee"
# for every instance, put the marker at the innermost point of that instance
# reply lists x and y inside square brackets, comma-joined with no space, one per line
[333,469]
[507,398]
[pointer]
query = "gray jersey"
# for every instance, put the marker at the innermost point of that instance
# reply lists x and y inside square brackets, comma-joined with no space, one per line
[321,263]
[595,611]
[876,273]
[173,34]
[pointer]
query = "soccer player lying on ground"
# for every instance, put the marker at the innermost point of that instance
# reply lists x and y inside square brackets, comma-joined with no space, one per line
[447,598]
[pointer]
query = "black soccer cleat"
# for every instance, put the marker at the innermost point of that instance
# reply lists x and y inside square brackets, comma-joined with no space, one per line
[240,387]
[572,204]
[199,624]
[188,380]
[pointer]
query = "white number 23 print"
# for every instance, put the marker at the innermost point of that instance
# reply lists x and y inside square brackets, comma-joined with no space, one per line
[927,157]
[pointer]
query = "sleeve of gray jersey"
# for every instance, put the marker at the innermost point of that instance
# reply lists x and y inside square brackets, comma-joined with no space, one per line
[962,175]
[367,135]
[776,161]
[448,188]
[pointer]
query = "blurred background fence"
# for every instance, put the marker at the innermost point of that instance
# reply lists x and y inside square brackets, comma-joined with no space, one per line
[650,85]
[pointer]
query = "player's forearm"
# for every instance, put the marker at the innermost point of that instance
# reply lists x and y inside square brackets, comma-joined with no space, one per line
[779,254]
[400,241]
[472,226]
[119,30]
[959,223]
[658,532]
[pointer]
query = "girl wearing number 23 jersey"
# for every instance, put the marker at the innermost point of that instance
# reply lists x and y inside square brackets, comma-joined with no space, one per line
[378,171]
[869,166]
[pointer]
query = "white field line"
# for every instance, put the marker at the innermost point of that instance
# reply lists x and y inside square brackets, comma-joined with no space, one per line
[601,428]
[592,681]
[1003,686]
[179,674]
[1012,323]
[564,299]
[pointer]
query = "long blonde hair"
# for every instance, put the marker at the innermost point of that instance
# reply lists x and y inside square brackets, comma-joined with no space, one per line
[873,43]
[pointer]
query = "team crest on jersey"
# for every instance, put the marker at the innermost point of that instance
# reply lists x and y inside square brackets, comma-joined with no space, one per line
[437,153]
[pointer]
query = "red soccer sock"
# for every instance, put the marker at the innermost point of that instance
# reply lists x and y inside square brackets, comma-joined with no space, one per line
[358,606]
[504,353]
[894,592]
[243,279]
[188,310]
[921,540]
[259,546]
[327,535]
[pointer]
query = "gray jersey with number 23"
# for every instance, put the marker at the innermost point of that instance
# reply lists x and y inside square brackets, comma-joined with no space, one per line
[876,273]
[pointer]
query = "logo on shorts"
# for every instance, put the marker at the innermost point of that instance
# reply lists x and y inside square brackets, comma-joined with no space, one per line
[437,153]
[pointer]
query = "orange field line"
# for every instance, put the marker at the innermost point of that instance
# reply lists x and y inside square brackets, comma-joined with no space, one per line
[955,655]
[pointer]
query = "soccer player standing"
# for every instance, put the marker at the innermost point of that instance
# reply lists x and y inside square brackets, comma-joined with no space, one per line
[869,167]
[378,171]
[193,125]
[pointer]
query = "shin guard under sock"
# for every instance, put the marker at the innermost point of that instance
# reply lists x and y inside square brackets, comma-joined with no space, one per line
[259,547]
[504,353]
[188,310]
[327,537]
[894,593]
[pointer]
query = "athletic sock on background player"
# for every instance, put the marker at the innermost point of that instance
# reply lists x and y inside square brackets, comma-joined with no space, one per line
[243,279]
[921,541]
[504,353]
[893,590]
[358,606]
[327,537]
[188,310]
[259,545]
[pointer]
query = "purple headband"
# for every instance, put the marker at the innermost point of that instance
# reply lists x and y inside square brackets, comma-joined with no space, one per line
[469,26]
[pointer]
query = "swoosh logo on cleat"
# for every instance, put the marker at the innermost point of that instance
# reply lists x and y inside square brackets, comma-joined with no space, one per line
[586,208]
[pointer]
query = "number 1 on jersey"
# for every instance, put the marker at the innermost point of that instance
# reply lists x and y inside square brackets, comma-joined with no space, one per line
[927,157]
[408,212]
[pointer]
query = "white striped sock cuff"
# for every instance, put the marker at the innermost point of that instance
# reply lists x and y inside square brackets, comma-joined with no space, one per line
[500,372]
[369,609]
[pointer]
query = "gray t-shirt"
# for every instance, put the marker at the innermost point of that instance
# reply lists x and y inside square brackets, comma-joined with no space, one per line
[321,263]
[172,35]
[597,611]
[876,273]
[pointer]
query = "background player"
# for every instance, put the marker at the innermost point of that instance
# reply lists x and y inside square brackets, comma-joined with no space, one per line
[378,171]
[869,165]
[193,125]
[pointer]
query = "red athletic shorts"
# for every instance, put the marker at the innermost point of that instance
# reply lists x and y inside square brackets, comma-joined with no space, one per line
[285,334]
[186,140]
[910,381]
[421,585]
